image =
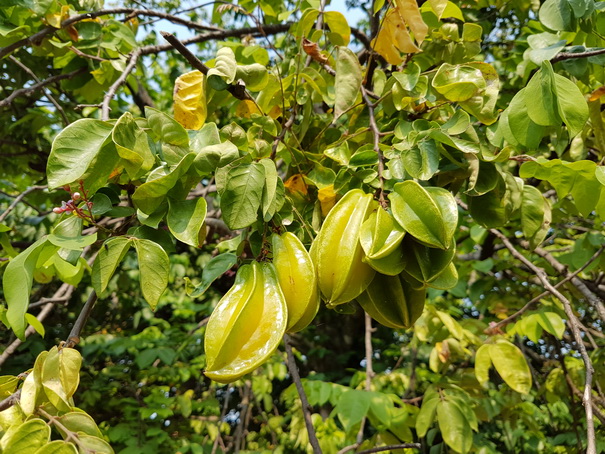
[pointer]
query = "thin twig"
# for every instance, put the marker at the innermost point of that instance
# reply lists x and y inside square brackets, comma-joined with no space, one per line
[132,62]
[501,324]
[64,292]
[377,150]
[44,90]
[303,397]
[573,324]
[592,299]
[18,199]
[26,91]
[11,400]
[390,447]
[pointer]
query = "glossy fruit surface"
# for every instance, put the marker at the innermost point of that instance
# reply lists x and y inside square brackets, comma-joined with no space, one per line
[337,252]
[247,324]
[297,279]
[392,302]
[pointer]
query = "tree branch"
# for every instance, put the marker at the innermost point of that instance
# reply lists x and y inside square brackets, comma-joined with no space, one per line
[45,32]
[501,324]
[390,447]
[26,91]
[303,397]
[18,199]
[132,62]
[64,292]
[76,330]
[592,299]
[569,55]
[573,324]
[44,90]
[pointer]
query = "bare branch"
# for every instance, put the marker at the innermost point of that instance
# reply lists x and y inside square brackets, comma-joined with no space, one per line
[64,292]
[45,32]
[26,91]
[573,324]
[569,55]
[592,299]
[390,447]
[44,90]
[18,199]
[76,330]
[303,397]
[132,62]
[501,324]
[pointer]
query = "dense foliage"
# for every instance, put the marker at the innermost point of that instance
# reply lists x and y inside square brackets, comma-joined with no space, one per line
[141,171]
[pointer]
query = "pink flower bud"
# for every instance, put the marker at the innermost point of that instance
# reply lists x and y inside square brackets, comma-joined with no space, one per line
[76,196]
[58,210]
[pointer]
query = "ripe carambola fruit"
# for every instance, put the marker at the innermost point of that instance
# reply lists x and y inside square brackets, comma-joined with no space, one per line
[297,279]
[337,252]
[247,324]
[392,301]
[380,237]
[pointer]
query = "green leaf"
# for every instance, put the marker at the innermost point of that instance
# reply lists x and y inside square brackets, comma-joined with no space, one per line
[337,23]
[532,211]
[511,365]
[525,131]
[52,383]
[483,362]
[426,416]
[75,150]
[154,267]
[416,211]
[552,322]
[347,83]
[35,323]
[101,204]
[211,157]
[186,221]
[557,15]
[150,194]
[132,146]
[27,438]
[58,447]
[455,429]
[70,362]
[166,128]
[242,195]
[540,98]
[78,421]
[255,76]
[74,243]
[270,188]
[353,405]
[572,106]
[458,82]
[17,284]
[224,71]
[94,444]
[421,161]
[110,255]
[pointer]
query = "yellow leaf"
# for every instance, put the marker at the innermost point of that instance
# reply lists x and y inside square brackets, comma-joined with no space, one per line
[327,199]
[296,183]
[394,37]
[190,100]
[597,93]
[275,112]
[246,108]
[438,7]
